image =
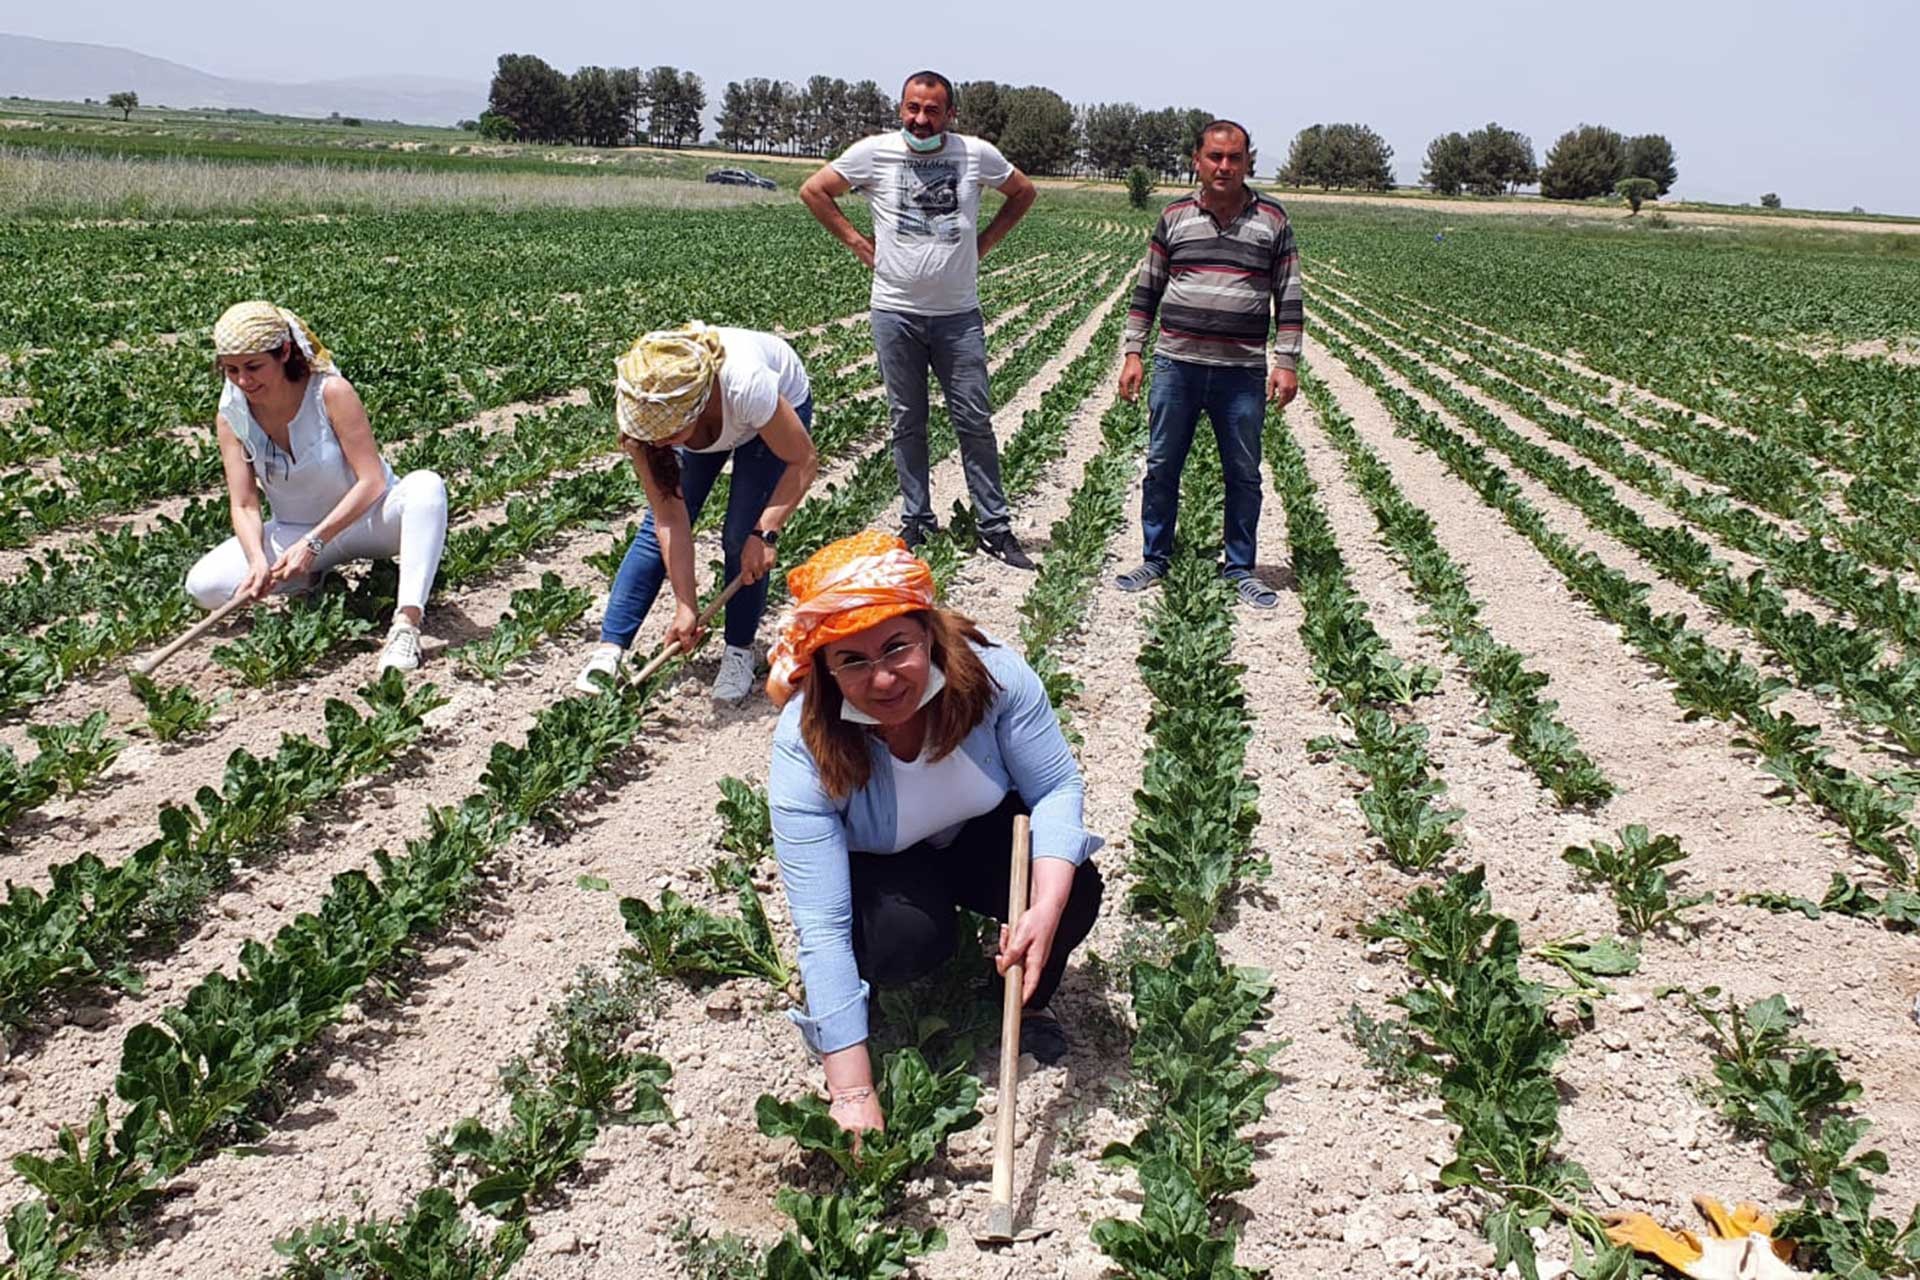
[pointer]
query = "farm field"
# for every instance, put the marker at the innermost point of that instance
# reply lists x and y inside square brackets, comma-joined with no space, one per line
[1549,850]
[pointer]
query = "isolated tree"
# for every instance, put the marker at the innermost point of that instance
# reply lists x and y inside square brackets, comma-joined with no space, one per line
[124,102]
[1650,156]
[983,109]
[1636,192]
[1039,133]
[495,128]
[599,117]
[1446,168]
[1339,155]
[1498,160]
[467,126]
[1771,200]
[1139,186]
[1585,162]
[1110,134]
[531,97]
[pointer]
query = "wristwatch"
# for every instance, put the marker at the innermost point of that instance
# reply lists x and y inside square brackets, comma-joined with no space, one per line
[769,536]
[316,543]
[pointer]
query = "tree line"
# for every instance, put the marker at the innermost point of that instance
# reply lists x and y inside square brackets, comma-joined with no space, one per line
[1591,160]
[1040,131]
[532,101]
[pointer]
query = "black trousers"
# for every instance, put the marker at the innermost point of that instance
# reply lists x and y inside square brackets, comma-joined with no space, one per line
[906,905]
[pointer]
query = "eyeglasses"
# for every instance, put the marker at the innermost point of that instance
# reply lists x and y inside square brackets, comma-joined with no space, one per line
[894,657]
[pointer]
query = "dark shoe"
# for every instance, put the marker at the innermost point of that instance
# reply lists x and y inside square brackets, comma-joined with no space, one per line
[916,535]
[1005,548]
[1141,578]
[1042,1036]
[1252,591]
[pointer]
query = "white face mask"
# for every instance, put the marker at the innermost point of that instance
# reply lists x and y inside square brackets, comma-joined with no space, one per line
[936,681]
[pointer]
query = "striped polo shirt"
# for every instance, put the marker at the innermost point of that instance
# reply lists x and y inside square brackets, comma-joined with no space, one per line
[1217,289]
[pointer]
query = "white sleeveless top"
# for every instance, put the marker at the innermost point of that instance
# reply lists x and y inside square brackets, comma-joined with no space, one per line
[303,484]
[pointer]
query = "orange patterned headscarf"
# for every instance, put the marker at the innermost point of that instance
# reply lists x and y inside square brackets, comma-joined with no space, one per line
[842,589]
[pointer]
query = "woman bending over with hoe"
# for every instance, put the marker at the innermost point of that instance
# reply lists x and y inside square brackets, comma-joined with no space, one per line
[687,400]
[291,426]
[897,773]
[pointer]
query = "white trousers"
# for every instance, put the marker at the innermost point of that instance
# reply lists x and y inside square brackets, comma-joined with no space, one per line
[409,522]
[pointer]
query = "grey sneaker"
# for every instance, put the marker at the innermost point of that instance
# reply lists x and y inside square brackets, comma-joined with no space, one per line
[735,679]
[1252,591]
[1141,578]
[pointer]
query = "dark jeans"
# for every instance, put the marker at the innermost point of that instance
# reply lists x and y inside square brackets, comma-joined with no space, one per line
[955,348]
[756,473]
[906,905]
[1234,399]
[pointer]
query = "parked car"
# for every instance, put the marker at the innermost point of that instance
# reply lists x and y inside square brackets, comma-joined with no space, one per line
[742,178]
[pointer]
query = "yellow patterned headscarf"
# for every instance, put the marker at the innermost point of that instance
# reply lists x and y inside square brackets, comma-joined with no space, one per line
[665,379]
[251,328]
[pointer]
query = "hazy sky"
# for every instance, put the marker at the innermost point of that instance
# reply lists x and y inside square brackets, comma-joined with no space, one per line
[1817,101]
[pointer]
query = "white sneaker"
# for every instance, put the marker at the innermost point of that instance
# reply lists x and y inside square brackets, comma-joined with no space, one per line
[403,649]
[735,680]
[605,661]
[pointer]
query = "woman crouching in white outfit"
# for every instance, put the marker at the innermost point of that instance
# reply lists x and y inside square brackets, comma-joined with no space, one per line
[290,425]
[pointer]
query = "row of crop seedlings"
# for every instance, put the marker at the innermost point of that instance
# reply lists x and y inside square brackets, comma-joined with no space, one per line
[1823,655]
[1707,679]
[1802,560]
[84,928]
[208,1076]
[1195,1016]
[101,590]
[1780,465]
[285,644]
[1474,1030]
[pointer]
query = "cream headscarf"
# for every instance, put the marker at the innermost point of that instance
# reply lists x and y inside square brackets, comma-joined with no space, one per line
[251,328]
[665,379]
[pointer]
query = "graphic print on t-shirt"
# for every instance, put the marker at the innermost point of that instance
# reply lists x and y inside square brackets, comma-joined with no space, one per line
[927,200]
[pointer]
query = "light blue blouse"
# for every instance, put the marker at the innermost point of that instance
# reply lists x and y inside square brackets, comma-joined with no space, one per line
[1018,744]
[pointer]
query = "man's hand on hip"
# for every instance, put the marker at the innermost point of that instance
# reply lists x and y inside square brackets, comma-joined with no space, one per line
[863,250]
[1132,374]
[1282,386]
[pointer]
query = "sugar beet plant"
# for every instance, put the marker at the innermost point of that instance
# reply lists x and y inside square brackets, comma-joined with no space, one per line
[1771,1084]
[87,925]
[1512,693]
[1635,871]
[579,1079]
[533,614]
[205,1074]
[1193,1013]
[69,757]
[1707,679]
[1402,799]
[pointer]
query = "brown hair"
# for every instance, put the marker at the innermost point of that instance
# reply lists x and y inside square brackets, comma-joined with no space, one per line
[840,747]
[663,464]
[291,357]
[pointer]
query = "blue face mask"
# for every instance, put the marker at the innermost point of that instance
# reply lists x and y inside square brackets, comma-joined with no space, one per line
[923,145]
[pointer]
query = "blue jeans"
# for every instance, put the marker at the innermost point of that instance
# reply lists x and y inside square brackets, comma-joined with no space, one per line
[955,348]
[1235,401]
[756,472]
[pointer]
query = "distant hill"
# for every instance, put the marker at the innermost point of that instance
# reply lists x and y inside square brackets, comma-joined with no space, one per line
[33,68]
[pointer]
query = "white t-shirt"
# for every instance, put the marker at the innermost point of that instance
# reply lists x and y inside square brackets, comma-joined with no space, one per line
[926,211]
[759,369]
[934,799]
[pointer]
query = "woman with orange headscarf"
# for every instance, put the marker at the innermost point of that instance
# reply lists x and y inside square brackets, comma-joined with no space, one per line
[908,743]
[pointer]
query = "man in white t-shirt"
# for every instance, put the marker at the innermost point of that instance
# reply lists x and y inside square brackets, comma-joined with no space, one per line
[923,184]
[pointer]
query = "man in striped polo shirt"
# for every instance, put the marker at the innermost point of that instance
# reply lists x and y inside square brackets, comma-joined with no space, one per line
[1221,273]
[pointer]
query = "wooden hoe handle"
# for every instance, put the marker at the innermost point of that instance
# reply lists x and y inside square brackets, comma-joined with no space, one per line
[671,651]
[151,663]
[1001,1206]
